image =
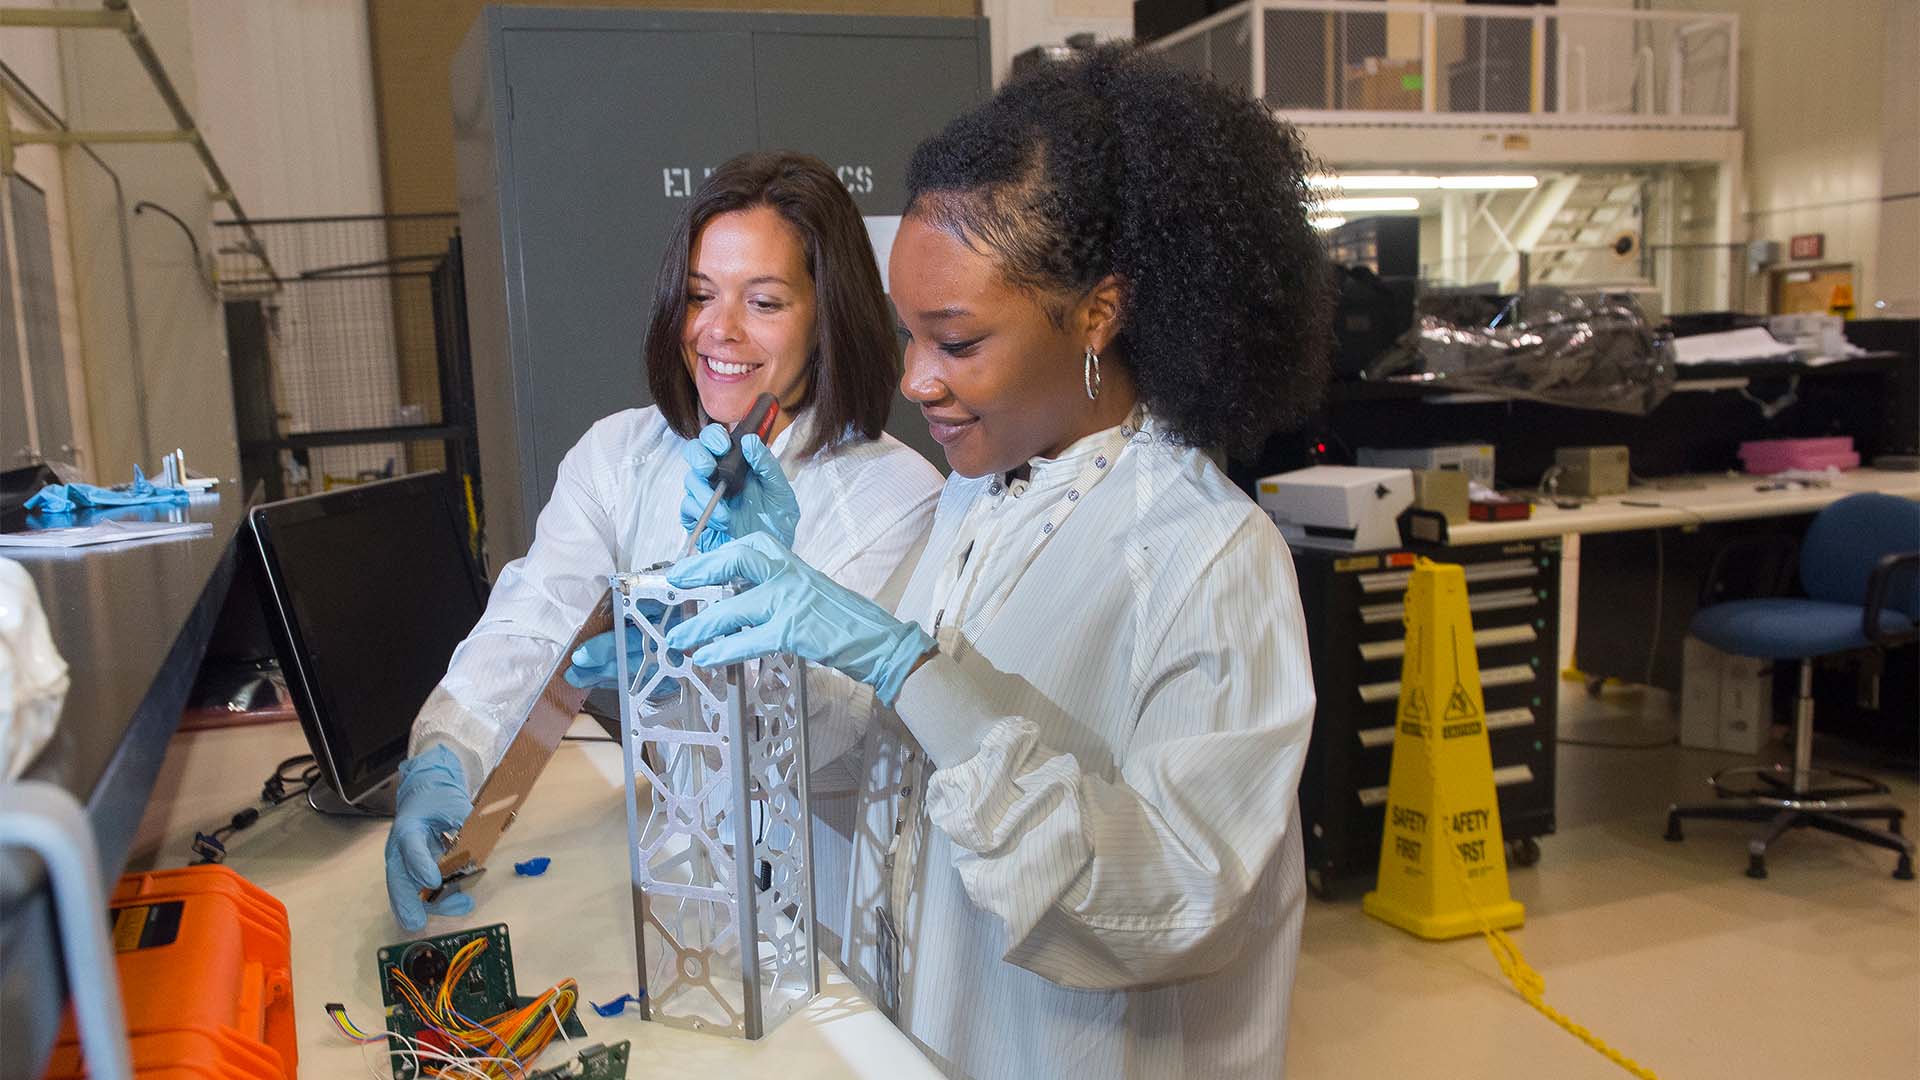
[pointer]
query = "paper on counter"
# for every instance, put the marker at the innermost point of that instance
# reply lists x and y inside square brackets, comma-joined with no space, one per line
[1730,347]
[103,532]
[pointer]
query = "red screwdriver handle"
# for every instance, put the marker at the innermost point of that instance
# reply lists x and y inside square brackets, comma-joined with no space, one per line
[732,467]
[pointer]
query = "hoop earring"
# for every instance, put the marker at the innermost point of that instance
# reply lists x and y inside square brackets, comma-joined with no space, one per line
[1091,375]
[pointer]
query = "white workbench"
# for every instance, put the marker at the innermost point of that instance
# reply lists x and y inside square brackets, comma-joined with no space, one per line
[1688,500]
[574,921]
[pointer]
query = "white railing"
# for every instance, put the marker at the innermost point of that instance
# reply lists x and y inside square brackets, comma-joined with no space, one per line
[1364,62]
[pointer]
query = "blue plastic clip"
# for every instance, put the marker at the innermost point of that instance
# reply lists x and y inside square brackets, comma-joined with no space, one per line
[617,1005]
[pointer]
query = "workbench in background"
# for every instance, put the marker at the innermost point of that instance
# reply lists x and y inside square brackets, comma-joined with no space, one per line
[1634,606]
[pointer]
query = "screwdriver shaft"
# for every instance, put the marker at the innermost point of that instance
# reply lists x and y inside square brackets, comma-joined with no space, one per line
[693,538]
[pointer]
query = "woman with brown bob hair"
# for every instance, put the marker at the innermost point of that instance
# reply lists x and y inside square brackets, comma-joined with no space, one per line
[768,285]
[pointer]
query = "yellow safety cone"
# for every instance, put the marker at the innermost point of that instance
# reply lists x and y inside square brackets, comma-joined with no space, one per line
[1442,856]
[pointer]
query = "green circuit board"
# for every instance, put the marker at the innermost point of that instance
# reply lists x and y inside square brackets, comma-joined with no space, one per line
[486,989]
[596,1062]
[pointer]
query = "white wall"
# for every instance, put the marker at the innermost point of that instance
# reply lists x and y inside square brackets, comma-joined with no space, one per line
[1017,25]
[183,386]
[1815,83]
[284,93]
[286,102]
[33,56]
[1896,275]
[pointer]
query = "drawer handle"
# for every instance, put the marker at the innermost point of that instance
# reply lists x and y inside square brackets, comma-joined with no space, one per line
[1504,776]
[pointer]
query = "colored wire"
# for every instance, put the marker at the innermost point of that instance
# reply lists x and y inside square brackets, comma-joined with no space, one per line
[411,1047]
[514,1037]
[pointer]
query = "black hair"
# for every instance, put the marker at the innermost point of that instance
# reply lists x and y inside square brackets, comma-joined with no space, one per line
[1193,195]
[855,362]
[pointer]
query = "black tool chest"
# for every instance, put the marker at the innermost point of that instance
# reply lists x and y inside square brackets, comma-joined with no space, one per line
[1355,606]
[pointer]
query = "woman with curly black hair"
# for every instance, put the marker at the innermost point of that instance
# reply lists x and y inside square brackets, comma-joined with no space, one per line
[1077,852]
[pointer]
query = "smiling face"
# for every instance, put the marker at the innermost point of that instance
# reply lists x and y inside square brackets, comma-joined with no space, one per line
[998,379]
[749,326]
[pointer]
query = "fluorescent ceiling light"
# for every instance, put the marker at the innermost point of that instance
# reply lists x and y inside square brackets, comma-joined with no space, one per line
[1489,183]
[1325,223]
[1376,203]
[1398,182]
[1377,183]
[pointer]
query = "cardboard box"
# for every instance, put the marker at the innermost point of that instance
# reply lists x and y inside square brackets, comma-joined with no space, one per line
[1474,459]
[1382,85]
[1592,470]
[1700,694]
[1746,703]
[1442,491]
[1726,702]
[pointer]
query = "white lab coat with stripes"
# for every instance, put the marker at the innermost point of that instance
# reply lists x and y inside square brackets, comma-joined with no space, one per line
[864,509]
[1104,874]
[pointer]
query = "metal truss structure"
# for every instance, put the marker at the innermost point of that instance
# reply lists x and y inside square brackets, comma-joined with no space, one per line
[717,822]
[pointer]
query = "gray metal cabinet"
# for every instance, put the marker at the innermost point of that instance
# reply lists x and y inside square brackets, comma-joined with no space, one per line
[580,135]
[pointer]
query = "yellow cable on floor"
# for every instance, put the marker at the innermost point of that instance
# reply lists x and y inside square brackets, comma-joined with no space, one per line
[1527,982]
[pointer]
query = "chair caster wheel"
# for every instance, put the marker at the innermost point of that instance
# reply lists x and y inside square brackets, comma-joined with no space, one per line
[1756,866]
[1904,870]
[1674,835]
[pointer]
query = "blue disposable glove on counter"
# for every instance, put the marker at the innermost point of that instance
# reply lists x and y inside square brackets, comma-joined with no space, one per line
[66,498]
[791,607]
[432,799]
[765,504]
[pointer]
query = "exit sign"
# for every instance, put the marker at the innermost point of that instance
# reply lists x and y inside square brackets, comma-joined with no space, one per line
[1807,246]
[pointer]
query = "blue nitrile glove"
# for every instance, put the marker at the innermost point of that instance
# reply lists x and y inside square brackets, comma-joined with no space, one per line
[791,607]
[595,664]
[765,504]
[65,498]
[432,799]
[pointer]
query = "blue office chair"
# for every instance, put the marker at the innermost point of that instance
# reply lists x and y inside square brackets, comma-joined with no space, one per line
[1860,568]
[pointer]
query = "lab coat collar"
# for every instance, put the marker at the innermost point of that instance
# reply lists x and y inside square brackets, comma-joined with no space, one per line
[1043,473]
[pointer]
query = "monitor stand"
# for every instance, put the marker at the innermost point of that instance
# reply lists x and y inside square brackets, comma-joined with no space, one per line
[378,803]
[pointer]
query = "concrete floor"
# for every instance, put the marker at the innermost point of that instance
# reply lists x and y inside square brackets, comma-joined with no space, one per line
[1666,951]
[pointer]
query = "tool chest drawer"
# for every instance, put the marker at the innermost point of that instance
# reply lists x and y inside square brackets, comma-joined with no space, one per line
[1354,607]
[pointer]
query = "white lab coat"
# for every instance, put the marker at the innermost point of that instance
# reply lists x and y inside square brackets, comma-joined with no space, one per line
[864,510]
[1105,874]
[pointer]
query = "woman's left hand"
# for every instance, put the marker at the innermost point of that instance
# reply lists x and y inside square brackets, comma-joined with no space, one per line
[766,502]
[791,607]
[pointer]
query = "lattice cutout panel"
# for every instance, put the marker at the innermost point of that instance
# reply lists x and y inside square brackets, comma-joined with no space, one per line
[716,756]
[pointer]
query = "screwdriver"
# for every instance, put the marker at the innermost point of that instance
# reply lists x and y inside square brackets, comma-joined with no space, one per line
[731,471]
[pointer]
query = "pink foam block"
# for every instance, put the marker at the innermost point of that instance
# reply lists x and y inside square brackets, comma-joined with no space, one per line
[1766,456]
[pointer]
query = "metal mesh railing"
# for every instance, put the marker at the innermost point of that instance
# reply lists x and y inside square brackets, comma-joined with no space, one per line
[1357,61]
[350,328]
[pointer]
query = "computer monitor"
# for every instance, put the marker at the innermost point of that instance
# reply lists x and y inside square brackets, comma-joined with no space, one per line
[367,591]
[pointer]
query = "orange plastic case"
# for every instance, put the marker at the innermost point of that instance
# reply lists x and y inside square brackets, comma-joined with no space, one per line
[206,976]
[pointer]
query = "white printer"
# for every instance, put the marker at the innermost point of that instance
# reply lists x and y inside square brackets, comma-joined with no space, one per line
[1339,507]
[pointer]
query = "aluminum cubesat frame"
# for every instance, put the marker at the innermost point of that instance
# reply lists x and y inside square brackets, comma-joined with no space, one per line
[723,930]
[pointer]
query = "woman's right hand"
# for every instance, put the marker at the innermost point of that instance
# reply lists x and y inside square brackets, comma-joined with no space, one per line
[432,801]
[765,504]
